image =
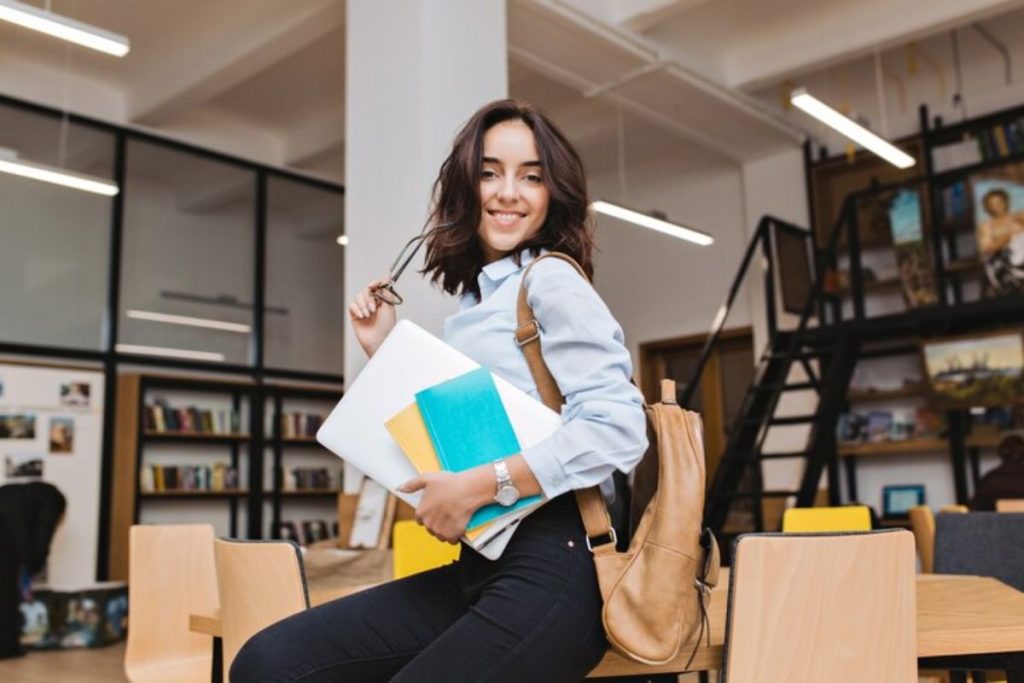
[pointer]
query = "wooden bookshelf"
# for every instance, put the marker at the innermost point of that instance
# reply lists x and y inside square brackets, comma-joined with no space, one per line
[155,435]
[131,440]
[909,446]
[983,440]
[876,395]
[307,493]
[300,441]
[193,493]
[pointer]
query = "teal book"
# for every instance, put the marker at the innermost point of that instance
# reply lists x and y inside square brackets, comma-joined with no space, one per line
[468,426]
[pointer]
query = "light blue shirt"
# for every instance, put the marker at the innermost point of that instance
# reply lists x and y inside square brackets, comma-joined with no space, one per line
[604,427]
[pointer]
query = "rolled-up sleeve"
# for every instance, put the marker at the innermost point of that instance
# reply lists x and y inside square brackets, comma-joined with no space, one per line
[604,428]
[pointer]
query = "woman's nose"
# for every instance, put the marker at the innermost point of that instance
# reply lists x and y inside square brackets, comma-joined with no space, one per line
[509,189]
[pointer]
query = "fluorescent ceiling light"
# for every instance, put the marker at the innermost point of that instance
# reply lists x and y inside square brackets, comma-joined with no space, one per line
[170,353]
[343,240]
[10,163]
[188,320]
[58,26]
[652,223]
[846,126]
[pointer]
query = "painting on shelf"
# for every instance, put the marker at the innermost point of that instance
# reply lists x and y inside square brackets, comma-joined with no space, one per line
[999,226]
[976,370]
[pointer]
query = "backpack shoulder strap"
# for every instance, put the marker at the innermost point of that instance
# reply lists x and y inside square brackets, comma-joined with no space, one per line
[591,503]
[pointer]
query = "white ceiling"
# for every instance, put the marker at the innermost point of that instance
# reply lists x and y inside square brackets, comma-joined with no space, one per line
[697,79]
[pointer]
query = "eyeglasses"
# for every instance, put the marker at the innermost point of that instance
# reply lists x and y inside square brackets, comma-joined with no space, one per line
[386,291]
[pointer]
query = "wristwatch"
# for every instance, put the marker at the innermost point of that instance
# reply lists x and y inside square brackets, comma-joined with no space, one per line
[507,493]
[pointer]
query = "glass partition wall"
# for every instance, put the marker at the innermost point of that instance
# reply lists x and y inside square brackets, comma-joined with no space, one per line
[221,261]
[54,240]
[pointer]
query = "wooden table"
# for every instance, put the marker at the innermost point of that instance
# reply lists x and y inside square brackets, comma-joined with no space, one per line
[956,615]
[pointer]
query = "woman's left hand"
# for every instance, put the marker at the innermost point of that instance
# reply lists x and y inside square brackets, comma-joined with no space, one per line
[449,500]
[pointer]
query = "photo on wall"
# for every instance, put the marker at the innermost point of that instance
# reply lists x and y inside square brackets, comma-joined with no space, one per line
[62,434]
[23,466]
[17,426]
[917,281]
[978,370]
[999,226]
[75,394]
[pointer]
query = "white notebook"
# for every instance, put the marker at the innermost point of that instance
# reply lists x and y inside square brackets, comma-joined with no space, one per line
[408,361]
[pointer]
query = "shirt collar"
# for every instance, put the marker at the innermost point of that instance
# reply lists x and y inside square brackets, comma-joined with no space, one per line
[497,271]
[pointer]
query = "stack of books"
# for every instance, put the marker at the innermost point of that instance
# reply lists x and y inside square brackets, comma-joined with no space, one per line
[300,424]
[457,425]
[157,478]
[161,417]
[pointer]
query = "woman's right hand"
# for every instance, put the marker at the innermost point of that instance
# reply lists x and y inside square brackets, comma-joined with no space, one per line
[372,319]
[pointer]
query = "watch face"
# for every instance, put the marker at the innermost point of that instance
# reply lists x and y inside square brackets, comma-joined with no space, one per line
[507,495]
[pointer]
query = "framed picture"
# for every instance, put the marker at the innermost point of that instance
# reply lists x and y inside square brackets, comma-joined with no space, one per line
[976,370]
[915,265]
[793,262]
[897,500]
[999,226]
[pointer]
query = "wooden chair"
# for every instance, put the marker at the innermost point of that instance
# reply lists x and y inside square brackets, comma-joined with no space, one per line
[261,582]
[415,550]
[1010,505]
[824,519]
[806,608]
[171,574]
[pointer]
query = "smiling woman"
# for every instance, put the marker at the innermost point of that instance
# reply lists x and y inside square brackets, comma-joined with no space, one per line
[511,191]
[512,182]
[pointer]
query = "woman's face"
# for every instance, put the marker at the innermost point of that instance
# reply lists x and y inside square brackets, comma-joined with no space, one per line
[513,196]
[996,205]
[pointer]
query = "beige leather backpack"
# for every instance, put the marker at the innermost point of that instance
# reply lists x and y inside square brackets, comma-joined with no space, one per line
[656,592]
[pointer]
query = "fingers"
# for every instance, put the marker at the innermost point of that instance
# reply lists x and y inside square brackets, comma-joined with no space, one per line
[413,485]
[365,304]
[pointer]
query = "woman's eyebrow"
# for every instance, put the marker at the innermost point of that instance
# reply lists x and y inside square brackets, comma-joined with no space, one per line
[495,160]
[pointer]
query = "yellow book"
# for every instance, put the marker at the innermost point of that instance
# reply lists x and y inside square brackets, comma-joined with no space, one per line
[410,433]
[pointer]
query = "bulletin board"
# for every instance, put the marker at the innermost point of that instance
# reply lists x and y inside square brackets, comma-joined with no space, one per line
[51,429]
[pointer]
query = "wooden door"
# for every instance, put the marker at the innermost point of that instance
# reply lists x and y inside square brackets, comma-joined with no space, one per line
[724,382]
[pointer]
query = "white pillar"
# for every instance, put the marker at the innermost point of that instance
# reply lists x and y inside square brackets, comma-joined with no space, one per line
[415,72]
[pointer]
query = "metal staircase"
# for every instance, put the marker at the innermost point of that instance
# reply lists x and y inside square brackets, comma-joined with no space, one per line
[826,364]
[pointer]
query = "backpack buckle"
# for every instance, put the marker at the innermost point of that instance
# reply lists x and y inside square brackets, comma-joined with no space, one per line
[613,538]
[534,336]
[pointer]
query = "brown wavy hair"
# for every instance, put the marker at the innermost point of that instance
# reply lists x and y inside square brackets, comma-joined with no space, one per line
[454,256]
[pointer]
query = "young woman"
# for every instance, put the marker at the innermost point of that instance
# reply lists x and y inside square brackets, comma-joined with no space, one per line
[511,189]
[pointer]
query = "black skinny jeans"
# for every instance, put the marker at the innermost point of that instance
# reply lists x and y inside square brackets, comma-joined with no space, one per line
[532,616]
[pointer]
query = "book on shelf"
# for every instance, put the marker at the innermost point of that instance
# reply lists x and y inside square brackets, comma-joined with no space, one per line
[161,417]
[307,479]
[159,478]
[986,143]
[295,424]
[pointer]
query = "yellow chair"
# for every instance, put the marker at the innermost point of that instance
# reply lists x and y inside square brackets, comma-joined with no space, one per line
[415,550]
[846,518]
[1010,505]
[922,523]
[170,575]
[261,582]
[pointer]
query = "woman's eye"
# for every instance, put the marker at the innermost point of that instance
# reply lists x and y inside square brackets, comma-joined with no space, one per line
[534,178]
[488,174]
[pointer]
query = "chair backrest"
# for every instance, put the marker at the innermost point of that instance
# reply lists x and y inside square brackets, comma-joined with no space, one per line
[922,523]
[261,582]
[845,518]
[415,550]
[981,543]
[1010,505]
[954,508]
[171,574]
[805,608]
